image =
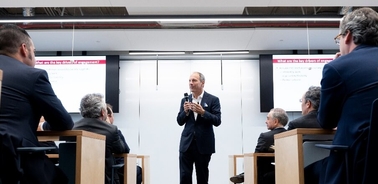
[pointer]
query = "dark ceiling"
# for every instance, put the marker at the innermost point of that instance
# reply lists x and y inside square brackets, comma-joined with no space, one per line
[93,12]
[65,12]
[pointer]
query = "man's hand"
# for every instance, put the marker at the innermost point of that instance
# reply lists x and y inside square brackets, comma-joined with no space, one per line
[187,106]
[197,108]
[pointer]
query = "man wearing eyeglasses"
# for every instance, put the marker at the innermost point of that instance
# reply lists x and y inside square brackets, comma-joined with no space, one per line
[348,87]
[309,105]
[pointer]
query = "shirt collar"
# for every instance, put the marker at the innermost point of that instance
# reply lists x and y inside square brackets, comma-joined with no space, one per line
[200,96]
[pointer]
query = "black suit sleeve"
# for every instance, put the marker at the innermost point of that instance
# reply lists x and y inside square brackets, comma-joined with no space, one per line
[50,106]
[127,149]
[118,145]
[261,144]
[181,116]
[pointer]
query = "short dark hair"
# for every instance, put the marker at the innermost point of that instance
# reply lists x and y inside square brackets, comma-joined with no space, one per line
[11,38]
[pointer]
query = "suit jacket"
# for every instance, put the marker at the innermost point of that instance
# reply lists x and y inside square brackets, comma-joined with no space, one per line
[114,143]
[202,128]
[26,95]
[309,120]
[348,88]
[266,140]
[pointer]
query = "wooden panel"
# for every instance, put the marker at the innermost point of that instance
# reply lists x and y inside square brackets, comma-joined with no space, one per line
[250,166]
[145,164]
[287,163]
[90,166]
[129,168]
[232,165]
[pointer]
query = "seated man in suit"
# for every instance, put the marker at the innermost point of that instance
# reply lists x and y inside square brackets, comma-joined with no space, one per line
[310,104]
[276,120]
[93,110]
[26,95]
[110,120]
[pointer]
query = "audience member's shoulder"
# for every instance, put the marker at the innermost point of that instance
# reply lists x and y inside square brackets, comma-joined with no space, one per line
[112,127]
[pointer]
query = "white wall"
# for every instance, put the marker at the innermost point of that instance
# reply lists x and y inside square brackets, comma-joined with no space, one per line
[150,96]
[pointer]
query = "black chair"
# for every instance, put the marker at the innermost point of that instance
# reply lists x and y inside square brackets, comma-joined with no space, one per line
[67,160]
[371,160]
[11,159]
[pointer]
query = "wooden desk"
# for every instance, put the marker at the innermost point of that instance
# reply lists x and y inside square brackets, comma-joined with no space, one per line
[90,153]
[289,152]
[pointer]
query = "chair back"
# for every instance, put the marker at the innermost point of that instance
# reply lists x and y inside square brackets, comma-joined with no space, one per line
[10,171]
[312,153]
[371,161]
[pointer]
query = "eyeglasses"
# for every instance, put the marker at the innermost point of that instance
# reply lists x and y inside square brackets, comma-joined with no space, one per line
[337,38]
[303,100]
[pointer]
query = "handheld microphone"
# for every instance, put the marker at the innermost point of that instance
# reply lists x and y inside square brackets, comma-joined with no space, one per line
[186,96]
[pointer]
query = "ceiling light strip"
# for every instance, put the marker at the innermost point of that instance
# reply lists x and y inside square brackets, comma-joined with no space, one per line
[154,53]
[167,20]
[220,52]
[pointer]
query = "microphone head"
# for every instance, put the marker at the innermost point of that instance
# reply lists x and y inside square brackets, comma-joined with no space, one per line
[186,96]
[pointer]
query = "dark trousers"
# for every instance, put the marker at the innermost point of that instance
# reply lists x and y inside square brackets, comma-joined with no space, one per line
[201,162]
[314,171]
[121,176]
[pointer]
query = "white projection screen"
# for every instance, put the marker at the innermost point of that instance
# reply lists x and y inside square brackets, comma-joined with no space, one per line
[293,75]
[72,77]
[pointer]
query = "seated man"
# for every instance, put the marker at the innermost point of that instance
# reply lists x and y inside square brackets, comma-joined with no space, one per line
[26,95]
[110,120]
[310,104]
[275,122]
[93,110]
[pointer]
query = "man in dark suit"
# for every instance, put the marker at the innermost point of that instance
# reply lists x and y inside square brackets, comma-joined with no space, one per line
[27,95]
[310,104]
[93,110]
[348,87]
[119,160]
[199,113]
[276,120]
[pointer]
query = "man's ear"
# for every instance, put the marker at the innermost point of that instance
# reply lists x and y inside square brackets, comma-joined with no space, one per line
[348,37]
[308,104]
[103,113]
[276,122]
[23,50]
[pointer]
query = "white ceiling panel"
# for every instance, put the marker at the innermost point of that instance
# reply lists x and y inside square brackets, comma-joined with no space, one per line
[293,39]
[156,40]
